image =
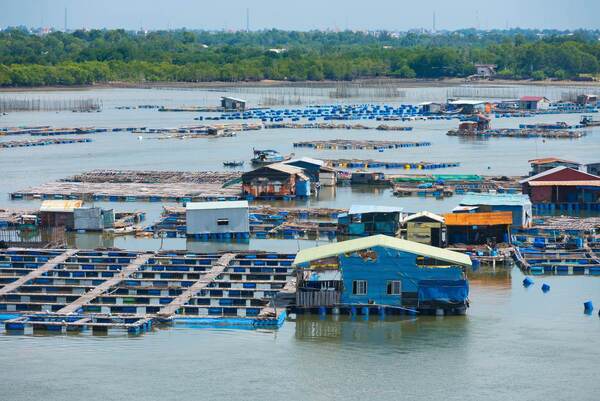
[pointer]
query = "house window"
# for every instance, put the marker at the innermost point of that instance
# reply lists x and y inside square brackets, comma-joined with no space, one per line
[222,222]
[394,287]
[359,287]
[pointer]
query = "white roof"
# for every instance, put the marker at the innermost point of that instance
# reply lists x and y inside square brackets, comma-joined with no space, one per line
[216,205]
[467,101]
[306,160]
[362,209]
[235,99]
[429,215]
[60,205]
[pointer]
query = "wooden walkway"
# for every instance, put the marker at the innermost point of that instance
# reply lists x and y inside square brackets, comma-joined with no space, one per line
[46,267]
[105,286]
[218,268]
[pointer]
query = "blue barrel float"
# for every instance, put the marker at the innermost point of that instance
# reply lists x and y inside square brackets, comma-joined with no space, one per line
[527,282]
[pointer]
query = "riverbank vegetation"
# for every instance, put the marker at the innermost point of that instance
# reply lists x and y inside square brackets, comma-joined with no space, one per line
[99,56]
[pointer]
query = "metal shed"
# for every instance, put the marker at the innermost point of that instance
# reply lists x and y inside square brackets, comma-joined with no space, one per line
[229,217]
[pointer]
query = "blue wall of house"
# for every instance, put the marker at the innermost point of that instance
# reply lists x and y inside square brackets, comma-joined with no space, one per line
[389,265]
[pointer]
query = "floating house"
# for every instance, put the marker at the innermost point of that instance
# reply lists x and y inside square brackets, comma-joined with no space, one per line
[587,100]
[563,186]
[465,106]
[93,219]
[59,213]
[547,163]
[316,170]
[232,103]
[432,107]
[229,218]
[593,168]
[368,178]
[381,271]
[518,204]
[478,228]
[534,103]
[426,228]
[276,180]
[370,220]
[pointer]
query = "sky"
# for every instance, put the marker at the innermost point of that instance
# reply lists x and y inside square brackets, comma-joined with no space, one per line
[302,15]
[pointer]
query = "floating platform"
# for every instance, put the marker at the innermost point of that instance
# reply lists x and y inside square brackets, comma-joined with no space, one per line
[518,133]
[73,290]
[42,142]
[344,144]
[370,164]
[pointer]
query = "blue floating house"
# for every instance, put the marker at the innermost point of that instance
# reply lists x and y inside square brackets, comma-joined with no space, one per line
[382,271]
[518,204]
[364,220]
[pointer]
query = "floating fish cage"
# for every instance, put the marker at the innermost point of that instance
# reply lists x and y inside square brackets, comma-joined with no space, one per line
[126,290]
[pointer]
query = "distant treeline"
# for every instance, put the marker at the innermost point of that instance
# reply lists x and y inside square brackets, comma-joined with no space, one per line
[97,56]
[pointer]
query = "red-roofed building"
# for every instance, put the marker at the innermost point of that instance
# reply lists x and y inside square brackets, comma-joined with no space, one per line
[534,103]
[563,185]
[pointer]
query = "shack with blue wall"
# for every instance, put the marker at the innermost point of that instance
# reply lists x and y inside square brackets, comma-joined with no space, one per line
[364,220]
[518,204]
[382,271]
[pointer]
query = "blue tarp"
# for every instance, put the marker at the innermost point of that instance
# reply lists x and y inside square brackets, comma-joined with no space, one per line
[453,291]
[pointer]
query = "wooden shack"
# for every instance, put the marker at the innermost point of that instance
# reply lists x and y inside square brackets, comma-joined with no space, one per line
[59,213]
[426,228]
[478,228]
[276,180]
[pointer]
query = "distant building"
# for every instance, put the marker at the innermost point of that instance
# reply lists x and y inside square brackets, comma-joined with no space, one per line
[548,163]
[534,103]
[563,185]
[466,106]
[93,218]
[426,228]
[585,100]
[209,218]
[232,103]
[370,220]
[368,178]
[486,70]
[518,204]
[593,168]
[478,228]
[276,180]
[59,213]
[432,107]
[316,170]
[384,271]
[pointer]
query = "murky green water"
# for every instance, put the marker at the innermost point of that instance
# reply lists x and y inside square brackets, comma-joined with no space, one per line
[514,343]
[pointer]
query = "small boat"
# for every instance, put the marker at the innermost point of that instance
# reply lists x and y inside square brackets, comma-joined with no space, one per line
[267,156]
[233,163]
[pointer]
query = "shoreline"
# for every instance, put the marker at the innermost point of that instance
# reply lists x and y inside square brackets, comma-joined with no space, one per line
[367,82]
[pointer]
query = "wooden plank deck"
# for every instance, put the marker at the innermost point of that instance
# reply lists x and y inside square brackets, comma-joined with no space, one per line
[105,286]
[46,267]
[219,267]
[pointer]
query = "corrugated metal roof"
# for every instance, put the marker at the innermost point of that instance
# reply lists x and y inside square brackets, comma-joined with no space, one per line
[216,205]
[60,205]
[466,101]
[474,199]
[556,170]
[432,216]
[284,168]
[309,160]
[547,160]
[478,219]
[235,99]
[532,98]
[363,209]
[326,251]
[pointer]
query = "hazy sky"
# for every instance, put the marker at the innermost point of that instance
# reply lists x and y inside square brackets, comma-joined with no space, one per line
[302,14]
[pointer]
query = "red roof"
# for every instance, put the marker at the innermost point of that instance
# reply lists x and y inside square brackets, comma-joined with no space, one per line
[562,176]
[532,98]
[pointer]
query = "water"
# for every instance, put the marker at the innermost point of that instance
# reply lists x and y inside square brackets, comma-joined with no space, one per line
[513,343]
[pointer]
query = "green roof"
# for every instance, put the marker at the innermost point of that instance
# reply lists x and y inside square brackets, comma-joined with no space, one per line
[326,251]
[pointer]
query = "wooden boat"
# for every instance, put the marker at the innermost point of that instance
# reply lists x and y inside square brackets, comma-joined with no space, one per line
[265,157]
[233,163]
